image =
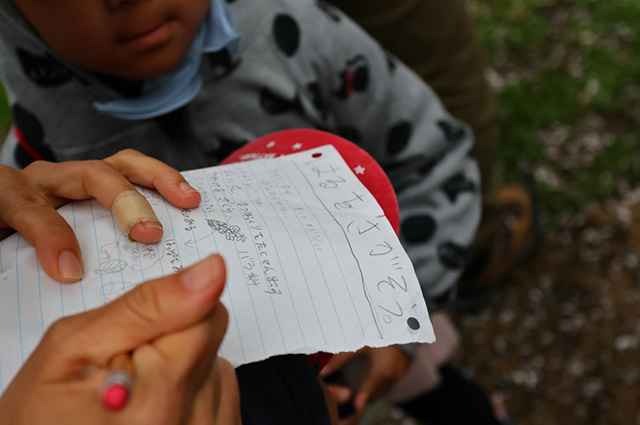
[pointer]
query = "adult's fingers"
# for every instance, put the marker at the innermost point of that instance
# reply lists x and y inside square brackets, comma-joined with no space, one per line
[185,357]
[227,395]
[218,403]
[149,311]
[149,172]
[24,209]
[173,371]
[78,180]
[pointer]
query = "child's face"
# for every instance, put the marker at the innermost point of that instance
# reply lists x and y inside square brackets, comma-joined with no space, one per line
[126,38]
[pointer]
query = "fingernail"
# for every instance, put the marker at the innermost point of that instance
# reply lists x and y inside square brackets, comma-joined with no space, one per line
[361,401]
[69,265]
[198,276]
[152,225]
[342,394]
[325,372]
[184,186]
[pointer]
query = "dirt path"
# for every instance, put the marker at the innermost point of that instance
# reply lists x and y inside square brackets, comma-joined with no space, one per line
[562,340]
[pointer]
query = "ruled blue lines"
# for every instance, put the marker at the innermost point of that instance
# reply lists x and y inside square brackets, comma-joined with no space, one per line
[39,295]
[140,261]
[95,235]
[156,245]
[324,278]
[84,307]
[166,206]
[1,379]
[193,235]
[275,313]
[284,273]
[253,307]
[1,265]
[117,239]
[344,280]
[215,243]
[18,296]
[293,244]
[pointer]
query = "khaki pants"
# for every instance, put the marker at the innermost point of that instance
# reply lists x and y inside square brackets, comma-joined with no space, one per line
[437,39]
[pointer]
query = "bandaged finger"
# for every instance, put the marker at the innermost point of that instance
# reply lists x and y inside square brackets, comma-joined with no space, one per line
[131,208]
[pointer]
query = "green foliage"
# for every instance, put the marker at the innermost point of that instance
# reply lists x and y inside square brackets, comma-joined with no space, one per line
[569,83]
[5,115]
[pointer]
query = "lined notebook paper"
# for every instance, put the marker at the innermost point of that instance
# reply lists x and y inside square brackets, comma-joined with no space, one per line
[313,264]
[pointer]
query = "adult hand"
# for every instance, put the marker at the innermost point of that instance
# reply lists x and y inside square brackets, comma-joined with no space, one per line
[386,366]
[164,333]
[29,197]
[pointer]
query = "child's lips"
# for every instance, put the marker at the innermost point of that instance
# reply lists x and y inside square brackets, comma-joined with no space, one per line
[148,39]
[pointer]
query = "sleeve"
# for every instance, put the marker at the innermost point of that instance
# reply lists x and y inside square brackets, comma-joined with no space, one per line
[369,97]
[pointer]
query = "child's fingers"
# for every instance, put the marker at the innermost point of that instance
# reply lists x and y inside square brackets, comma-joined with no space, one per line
[28,212]
[337,362]
[100,180]
[149,172]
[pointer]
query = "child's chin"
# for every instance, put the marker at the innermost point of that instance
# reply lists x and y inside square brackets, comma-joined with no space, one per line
[149,69]
[144,67]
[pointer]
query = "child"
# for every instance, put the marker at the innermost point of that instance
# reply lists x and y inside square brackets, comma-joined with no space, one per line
[292,64]
[188,84]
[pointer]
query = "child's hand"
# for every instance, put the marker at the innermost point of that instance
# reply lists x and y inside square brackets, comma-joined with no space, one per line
[165,334]
[29,197]
[385,367]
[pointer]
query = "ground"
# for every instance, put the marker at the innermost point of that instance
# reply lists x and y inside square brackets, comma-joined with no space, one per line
[561,340]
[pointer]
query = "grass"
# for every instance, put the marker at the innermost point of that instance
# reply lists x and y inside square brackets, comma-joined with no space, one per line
[568,77]
[5,115]
[567,74]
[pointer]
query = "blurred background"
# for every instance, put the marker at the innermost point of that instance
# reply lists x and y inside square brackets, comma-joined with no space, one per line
[561,340]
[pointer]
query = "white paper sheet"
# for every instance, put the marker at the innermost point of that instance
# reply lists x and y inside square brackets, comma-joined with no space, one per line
[313,264]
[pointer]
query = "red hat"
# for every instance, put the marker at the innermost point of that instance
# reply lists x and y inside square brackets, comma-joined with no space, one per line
[361,163]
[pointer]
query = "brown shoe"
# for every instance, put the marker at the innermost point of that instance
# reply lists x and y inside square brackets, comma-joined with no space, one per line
[514,242]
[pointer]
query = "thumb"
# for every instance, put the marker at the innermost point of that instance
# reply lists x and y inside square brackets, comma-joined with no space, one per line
[149,311]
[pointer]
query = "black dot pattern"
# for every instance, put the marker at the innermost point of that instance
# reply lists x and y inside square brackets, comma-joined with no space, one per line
[418,229]
[353,78]
[286,33]
[44,70]
[330,11]
[453,132]
[457,185]
[274,104]
[32,134]
[317,99]
[391,62]
[352,134]
[398,137]
[452,255]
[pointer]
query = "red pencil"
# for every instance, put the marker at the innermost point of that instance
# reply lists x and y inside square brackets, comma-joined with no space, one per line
[116,390]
